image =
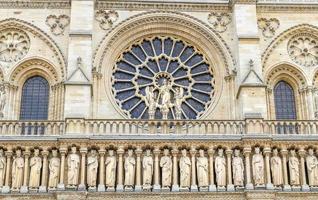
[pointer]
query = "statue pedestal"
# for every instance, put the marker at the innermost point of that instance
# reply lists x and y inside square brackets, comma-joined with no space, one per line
[129,189]
[270,186]
[305,188]
[230,188]
[175,188]
[92,189]
[314,188]
[221,188]
[184,189]
[296,188]
[81,187]
[119,188]
[138,188]
[24,189]
[194,188]
[33,190]
[5,189]
[249,186]
[60,186]
[42,189]
[212,188]
[286,188]
[101,188]
[156,188]
[204,189]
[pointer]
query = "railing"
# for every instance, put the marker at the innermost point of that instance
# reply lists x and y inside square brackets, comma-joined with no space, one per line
[157,127]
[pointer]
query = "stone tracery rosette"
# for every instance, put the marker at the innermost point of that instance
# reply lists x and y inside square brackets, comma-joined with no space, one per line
[150,62]
[303,49]
[14,45]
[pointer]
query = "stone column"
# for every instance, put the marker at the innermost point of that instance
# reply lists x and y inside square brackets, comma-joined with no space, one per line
[82,185]
[194,186]
[24,188]
[212,186]
[61,185]
[120,185]
[101,185]
[44,177]
[6,187]
[175,186]
[269,185]
[284,153]
[304,185]
[247,153]
[156,184]
[230,186]
[138,187]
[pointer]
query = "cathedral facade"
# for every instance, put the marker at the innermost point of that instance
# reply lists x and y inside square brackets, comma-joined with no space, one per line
[195,99]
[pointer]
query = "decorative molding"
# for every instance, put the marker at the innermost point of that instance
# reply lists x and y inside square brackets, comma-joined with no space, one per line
[106,18]
[268,26]
[57,24]
[37,4]
[288,8]
[219,21]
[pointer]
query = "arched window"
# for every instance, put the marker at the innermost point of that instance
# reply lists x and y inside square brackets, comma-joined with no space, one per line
[35,99]
[284,101]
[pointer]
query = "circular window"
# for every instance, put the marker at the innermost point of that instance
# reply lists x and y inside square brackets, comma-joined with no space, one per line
[177,75]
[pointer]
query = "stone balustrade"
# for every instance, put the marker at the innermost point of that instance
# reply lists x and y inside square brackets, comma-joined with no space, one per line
[205,166]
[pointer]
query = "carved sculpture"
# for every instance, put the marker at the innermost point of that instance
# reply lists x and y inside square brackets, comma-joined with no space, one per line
[17,171]
[178,102]
[92,166]
[258,167]
[54,170]
[164,97]
[316,103]
[219,21]
[185,170]
[202,170]
[57,24]
[110,170]
[130,164]
[73,162]
[166,169]
[14,45]
[312,168]
[151,102]
[238,169]
[293,163]
[3,99]
[3,164]
[276,168]
[268,26]
[35,172]
[147,166]
[106,18]
[220,169]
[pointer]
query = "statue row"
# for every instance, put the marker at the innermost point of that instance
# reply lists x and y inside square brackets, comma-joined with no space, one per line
[158,170]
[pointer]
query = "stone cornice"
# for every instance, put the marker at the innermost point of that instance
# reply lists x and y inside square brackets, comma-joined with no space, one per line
[292,8]
[38,4]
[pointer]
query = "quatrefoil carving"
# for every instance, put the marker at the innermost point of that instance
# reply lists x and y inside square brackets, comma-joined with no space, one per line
[219,21]
[268,26]
[57,24]
[106,18]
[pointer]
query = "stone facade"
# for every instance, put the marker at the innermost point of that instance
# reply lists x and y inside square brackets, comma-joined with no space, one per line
[148,99]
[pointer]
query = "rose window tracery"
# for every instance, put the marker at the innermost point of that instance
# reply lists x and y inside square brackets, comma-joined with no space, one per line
[175,73]
[14,45]
[303,49]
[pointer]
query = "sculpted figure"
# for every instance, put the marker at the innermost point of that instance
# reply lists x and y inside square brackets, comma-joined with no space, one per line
[312,168]
[110,169]
[147,166]
[3,165]
[316,103]
[35,171]
[202,169]
[185,169]
[276,168]
[130,164]
[220,169]
[17,171]
[3,99]
[166,169]
[54,170]
[92,165]
[178,102]
[238,168]
[73,163]
[293,164]
[151,102]
[165,97]
[258,167]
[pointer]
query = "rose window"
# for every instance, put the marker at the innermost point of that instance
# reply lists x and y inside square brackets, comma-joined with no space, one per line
[165,66]
[304,50]
[14,45]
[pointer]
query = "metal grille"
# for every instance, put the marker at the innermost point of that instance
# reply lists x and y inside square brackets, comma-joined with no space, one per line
[284,101]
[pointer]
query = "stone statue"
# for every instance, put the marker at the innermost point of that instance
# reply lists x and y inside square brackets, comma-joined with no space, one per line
[165,97]
[276,168]
[258,167]
[130,164]
[110,169]
[17,171]
[35,171]
[185,170]
[312,168]
[293,164]
[238,168]
[92,165]
[178,102]
[166,169]
[316,103]
[151,102]
[147,166]
[220,168]
[202,170]
[54,170]
[73,163]
[3,99]
[3,165]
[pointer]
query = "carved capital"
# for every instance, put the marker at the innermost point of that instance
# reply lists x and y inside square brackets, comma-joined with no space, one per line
[174,152]
[156,151]
[138,151]
[102,151]
[211,151]
[247,151]
[120,150]
[284,152]
[267,151]
[63,150]
[302,153]
[45,153]
[83,150]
